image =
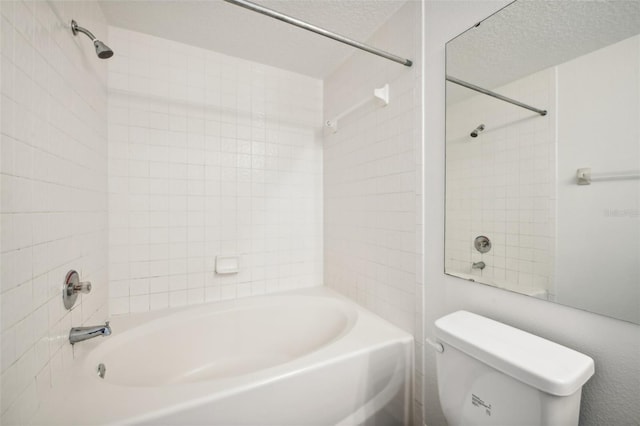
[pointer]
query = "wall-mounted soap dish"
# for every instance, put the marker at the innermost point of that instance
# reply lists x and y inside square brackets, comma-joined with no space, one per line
[227,265]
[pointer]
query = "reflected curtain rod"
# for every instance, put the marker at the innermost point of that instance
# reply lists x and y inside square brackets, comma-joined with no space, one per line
[495,95]
[310,27]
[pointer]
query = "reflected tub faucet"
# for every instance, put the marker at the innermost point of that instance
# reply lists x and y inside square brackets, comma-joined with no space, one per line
[78,334]
[478,265]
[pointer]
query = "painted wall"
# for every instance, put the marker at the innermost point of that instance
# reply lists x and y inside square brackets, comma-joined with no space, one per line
[54,192]
[599,225]
[610,397]
[372,175]
[502,184]
[209,155]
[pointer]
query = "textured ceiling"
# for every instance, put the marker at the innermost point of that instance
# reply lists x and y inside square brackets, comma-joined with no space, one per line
[232,30]
[529,36]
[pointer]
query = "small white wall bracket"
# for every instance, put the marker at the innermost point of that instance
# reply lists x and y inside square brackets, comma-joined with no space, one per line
[381,94]
[333,125]
[583,176]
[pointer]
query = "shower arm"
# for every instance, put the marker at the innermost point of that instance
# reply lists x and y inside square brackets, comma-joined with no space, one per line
[75,29]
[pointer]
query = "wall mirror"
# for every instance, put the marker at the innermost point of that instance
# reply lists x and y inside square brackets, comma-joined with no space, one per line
[543,154]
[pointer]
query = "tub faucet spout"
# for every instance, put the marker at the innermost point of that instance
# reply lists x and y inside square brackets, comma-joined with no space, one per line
[78,334]
[478,265]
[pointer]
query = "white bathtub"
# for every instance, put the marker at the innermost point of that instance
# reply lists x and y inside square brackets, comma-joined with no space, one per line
[298,358]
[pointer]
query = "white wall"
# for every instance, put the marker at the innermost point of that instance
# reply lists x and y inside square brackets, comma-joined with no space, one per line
[54,192]
[599,225]
[610,397]
[372,176]
[502,184]
[209,155]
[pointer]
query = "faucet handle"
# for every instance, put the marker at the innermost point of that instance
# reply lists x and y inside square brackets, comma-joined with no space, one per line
[71,287]
[82,287]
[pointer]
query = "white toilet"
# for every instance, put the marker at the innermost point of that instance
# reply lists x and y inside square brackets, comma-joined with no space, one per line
[492,374]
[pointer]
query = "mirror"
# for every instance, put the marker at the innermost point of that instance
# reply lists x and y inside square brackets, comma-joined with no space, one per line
[543,181]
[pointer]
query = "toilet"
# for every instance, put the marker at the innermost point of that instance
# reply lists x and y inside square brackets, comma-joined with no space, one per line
[492,374]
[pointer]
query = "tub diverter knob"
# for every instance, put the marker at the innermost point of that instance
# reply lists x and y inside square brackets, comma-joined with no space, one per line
[71,287]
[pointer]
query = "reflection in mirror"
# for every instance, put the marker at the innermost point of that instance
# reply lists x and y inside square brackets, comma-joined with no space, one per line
[543,154]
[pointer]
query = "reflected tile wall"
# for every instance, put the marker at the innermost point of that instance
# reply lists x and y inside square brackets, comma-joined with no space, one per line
[501,184]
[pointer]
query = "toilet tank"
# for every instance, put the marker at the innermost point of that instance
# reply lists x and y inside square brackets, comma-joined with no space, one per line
[493,374]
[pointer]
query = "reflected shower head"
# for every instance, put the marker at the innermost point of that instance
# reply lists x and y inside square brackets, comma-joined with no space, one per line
[102,50]
[474,133]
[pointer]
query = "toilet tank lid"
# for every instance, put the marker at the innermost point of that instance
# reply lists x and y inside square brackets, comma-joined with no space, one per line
[538,362]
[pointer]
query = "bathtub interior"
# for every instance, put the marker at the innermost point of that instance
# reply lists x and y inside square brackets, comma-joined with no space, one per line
[210,345]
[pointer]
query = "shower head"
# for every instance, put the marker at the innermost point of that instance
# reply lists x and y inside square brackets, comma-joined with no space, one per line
[474,133]
[102,50]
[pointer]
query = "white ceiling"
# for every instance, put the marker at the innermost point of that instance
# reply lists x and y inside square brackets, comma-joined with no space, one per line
[232,30]
[529,36]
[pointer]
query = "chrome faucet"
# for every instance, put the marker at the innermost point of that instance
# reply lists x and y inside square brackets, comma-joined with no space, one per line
[478,265]
[78,334]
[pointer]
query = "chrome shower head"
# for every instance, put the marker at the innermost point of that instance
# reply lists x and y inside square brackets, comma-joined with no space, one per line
[474,133]
[102,50]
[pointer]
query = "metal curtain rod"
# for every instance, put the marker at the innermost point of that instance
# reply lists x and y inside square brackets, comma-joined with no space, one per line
[495,95]
[310,27]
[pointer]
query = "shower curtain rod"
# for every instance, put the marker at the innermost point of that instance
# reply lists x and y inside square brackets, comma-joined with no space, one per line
[495,95]
[309,27]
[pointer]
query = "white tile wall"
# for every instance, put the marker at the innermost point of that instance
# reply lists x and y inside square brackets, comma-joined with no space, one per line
[372,179]
[501,184]
[209,155]
[53,174]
